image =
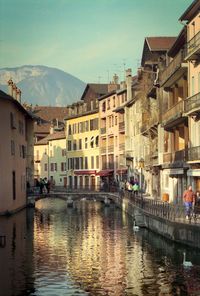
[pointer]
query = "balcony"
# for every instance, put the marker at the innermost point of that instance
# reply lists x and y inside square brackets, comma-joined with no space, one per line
[192,105]
[176,158]
[193,154]
[110,148]
[149,127]
[193,48]
[103,150]
[103,130]
[122,147]
[173,116]
[174,70]
[122,126]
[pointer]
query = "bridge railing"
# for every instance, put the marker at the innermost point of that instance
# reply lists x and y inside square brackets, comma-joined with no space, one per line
[86,188]
[172,212]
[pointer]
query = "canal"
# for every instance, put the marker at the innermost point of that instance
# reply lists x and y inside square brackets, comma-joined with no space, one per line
[90,249]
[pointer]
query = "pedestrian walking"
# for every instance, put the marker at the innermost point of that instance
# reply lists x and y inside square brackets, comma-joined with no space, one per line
[189,201]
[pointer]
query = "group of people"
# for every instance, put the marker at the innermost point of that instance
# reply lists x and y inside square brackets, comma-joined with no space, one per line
[191,200]
[44,185]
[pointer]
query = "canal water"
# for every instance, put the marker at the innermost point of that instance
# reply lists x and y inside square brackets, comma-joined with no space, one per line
[90,249]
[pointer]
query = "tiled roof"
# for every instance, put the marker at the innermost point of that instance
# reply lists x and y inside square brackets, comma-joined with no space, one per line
[50,137]
[160,43]
[99,88]
[48,113]
[4,96]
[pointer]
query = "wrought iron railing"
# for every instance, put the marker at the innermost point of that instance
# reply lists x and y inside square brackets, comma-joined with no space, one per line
[192,103]
[193,153]
[173,66]
[174,112]
[193,45]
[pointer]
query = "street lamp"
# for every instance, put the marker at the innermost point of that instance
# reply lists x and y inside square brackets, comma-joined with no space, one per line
[141,166]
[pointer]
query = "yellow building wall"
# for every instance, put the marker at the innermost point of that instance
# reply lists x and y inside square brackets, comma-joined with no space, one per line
[84,152]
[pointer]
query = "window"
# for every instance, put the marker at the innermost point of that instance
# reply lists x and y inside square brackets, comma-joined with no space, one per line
[69,145]
[87,126]
[55,166]
[74,145]
[14,185]
[97,162]
[45,167]
[63,166]
[69,129]
[92,142]
[115,120]
[12,121]
[97,141]
[45,151]
[86,163]
[63,152]
[92,162]
[108,104]
[51,167]
[12,147]
[80,144]
[104,107]
[114,102]
[77,163]
[86,143]
[94,124]
[81,163]
[23,151]
[21,127]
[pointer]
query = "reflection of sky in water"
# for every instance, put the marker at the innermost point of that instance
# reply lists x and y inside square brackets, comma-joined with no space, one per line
[92,250]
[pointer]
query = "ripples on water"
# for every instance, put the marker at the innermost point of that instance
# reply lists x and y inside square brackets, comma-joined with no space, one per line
[90,250]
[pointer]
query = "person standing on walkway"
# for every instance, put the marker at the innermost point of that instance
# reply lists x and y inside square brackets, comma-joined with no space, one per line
[189,201]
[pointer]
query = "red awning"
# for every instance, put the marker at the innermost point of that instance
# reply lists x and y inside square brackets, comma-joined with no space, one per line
[122,171]
[85,172]
[105,173]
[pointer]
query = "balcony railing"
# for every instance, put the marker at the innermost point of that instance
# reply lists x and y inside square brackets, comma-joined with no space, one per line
[193,46]
[192,103]
[172,67]
[174,112]
[103,130]
[193,154]
[122,126]
[174,157]
[110,148]
[122,146]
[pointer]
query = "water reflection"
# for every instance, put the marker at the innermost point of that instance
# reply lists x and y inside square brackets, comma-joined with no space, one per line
[90,250]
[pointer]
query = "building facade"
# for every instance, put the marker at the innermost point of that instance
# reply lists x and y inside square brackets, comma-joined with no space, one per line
[16,152]
[191,17]
[82,151]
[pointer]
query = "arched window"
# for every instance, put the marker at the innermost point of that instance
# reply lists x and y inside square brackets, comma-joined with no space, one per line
[97,141]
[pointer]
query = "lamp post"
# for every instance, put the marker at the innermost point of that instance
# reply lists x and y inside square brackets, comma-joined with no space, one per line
[141,166]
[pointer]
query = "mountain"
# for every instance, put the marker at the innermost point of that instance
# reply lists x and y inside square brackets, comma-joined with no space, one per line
[43,85]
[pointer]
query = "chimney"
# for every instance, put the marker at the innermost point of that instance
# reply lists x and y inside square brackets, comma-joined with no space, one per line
[51,131]
[14,88]
[115,79]
[129,84]
[10,87]
[18,95]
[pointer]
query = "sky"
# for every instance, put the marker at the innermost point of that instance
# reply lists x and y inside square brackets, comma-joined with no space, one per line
[90,39]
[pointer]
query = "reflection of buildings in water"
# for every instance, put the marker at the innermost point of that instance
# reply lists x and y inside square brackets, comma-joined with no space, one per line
[16,256]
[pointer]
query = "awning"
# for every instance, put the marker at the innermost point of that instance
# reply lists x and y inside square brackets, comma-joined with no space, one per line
[105,173]
[85,172]
[122,171]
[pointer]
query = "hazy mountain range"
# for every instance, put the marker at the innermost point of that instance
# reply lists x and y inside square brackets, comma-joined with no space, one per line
[43,85]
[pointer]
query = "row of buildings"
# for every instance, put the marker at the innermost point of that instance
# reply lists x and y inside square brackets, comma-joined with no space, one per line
[146,128]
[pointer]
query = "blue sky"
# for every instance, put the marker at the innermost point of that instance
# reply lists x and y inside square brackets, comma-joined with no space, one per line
[90,39]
